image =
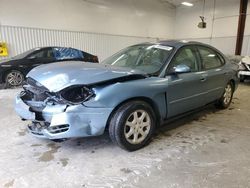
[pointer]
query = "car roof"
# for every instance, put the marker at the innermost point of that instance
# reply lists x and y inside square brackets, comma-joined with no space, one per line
[178,43]
[45,47]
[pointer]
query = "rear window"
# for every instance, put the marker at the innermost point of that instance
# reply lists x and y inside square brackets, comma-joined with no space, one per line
[67,53]
[210,58]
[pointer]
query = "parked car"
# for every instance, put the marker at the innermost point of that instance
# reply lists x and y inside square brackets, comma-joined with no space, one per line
[130,93]
[14,70]
[244,67]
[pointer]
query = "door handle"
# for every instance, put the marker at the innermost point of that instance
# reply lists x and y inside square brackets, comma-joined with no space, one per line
[203,79]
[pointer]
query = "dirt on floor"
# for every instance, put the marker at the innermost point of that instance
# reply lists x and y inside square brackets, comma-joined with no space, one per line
[206,149]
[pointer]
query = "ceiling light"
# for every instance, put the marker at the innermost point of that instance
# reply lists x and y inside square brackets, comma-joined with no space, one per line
[187,4]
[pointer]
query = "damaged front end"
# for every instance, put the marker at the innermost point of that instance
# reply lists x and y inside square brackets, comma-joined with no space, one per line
[244,68]
[58,115]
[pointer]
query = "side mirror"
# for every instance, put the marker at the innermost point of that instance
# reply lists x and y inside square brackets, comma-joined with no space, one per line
[182,68]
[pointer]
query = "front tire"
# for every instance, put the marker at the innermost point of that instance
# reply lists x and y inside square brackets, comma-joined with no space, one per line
[227,97]
[132,125]
[14,78]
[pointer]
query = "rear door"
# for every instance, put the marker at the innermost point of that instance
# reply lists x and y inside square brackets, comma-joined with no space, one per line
[213,66]
[186,91]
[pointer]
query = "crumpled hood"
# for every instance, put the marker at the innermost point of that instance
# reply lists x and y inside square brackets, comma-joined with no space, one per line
[57,76]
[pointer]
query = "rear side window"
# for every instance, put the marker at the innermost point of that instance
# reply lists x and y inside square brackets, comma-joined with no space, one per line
[67,53]
[210,59]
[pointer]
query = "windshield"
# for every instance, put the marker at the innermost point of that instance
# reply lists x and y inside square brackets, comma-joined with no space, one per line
[24,54]
[145,57]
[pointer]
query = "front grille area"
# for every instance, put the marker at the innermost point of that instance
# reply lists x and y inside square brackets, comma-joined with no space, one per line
[37,127]
[34,95]
[58,129]
[35,105]
[37,93]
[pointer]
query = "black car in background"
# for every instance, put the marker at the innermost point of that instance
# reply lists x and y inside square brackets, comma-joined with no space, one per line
[14,70]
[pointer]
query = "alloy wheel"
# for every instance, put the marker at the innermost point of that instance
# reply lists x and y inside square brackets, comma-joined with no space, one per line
[14,78]
[227,94]
[137,127]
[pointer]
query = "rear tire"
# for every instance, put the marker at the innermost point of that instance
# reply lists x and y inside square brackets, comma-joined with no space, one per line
[14,78]
[132,125]
[226,99]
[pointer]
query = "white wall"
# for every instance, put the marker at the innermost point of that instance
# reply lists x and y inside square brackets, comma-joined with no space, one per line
[144,18]
[20,39]
[100,27]
[221,31]
[246,42]
[117,23]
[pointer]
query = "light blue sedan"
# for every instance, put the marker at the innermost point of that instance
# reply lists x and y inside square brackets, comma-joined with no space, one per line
[129,94]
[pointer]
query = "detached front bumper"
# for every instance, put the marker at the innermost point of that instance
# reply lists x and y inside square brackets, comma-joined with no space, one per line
[244,73]
[62,121]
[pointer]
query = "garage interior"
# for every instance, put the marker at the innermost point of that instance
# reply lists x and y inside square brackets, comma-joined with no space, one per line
[209,148]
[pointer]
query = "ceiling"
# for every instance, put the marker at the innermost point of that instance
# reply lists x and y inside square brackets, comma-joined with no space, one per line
[178,2]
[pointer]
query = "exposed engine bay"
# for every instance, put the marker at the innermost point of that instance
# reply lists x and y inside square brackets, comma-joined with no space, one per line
[244,68]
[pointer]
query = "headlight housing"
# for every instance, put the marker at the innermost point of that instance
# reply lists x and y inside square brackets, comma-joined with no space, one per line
[76,94]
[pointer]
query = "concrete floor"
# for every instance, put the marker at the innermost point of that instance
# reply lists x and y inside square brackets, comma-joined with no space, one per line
[207,149]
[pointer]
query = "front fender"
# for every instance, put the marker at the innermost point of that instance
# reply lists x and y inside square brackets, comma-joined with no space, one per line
[110,96]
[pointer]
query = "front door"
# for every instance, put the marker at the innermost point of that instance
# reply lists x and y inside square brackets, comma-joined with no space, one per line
[186,90]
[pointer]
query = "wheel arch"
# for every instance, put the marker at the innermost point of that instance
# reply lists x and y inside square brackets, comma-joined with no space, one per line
[232,81]
[5,73]
[9,70]
[149,101]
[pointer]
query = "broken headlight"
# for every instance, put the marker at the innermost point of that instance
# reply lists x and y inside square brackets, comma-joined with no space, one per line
[76,94]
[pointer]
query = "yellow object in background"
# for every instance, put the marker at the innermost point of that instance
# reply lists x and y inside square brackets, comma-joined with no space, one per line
[3,49]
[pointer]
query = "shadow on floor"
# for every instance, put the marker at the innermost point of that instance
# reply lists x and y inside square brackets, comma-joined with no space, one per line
[103,141]
[4,86]
[246,83]
[188,118]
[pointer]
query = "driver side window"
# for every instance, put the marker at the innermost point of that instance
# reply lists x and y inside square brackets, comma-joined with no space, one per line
[128,59]
[38,54]
[185,56]
[44,53]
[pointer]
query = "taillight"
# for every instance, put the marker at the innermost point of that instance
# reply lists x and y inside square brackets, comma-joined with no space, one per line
[95,59]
